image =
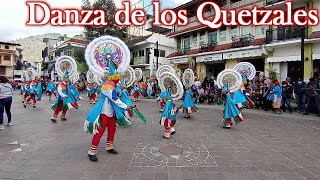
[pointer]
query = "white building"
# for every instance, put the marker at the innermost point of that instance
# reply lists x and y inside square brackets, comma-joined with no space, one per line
[144,52]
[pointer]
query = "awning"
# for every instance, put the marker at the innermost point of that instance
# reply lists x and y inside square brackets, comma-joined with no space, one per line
[283,59]
[243,54]
[316,56]
[180,61]
[209,58]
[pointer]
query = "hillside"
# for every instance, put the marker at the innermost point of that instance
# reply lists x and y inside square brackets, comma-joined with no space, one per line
[32,46]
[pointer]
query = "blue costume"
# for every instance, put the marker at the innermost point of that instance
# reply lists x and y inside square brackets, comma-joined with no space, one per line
[231,113]
[169,115]
[64,101]
[51,87]
[188,105]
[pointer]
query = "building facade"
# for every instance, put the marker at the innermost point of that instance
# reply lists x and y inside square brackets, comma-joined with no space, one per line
[8,58]
[56,48]
[267,48]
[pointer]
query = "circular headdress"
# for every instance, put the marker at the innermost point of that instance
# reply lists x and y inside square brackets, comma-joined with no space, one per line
[168,79]
[247,69]
[129,76]
[188,77]
[103,49]
[91,77]
[76,77]
[30,74]
[138,74]
[164,68]
[230,78]
[66,64]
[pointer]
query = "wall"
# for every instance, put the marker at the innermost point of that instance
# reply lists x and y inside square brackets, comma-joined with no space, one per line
[287,51]
[316,4]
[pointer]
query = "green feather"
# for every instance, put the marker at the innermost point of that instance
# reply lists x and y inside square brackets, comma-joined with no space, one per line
[137,114]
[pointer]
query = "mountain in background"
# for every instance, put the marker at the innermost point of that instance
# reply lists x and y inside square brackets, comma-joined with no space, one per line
[32,46]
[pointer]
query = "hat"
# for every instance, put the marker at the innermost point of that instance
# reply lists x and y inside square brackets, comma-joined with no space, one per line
[113,73]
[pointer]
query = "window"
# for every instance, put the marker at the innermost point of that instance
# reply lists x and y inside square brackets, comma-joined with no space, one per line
[162,53]
[68,52]
[135,54]
[186,42]
[8,58]
[223,34]
[233,32]
[245,30]
[2,70]
[6,47]
[141,53]
[212,36]
[195,40]
[260,30]
[202,37]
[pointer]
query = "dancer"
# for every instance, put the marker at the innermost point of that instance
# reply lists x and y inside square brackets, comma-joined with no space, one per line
[231,115]
[64,100]
[51,89]
[93,90]
[161,99]
[34,93]
[136,91]
[188,105]
[169,115]
[103,114]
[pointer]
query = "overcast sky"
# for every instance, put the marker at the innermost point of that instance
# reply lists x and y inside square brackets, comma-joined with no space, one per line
[14,14]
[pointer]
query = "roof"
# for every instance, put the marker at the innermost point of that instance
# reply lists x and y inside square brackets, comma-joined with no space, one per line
[190,3]
[314,35]
[140,39]
[221,47]
[79,41]
[10,44]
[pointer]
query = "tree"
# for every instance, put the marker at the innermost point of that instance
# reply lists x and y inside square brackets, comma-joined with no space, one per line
[92,32]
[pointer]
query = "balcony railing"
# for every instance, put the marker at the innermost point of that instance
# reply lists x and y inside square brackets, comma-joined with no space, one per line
[183,50]
[207,45]
[283,33]
[270,2]
[242,41]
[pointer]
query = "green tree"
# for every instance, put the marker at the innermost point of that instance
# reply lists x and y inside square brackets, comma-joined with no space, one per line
[92,32]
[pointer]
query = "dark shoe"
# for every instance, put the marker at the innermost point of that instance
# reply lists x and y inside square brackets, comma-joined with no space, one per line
[290,112]
[34,107]
[318,115]
[54,121]
[25,106]
[225,127]
[173,133]
[112,151]
[93,158]
[165,137]
[305,113]
[63,119]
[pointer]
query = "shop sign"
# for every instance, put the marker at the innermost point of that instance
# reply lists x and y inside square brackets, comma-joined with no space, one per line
[138,60]
[210,58]
[181,61]
[243,54]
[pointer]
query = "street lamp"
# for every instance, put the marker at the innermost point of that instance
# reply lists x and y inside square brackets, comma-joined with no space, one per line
[303,34]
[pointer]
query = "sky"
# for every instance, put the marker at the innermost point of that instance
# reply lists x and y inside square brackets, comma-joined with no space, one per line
[14,14]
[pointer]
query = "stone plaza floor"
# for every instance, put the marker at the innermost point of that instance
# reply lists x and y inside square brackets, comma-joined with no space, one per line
[265,146]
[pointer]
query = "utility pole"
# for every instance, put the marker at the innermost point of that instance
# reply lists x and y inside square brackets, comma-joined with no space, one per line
[158,53]
[303,34]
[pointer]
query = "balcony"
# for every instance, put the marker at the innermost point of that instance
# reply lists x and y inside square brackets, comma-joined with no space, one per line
[207,46]
[183,50]
[242,41]
[283,34]
[271,2]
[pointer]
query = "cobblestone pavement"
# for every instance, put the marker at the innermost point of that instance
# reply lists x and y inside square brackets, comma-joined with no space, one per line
[265,146]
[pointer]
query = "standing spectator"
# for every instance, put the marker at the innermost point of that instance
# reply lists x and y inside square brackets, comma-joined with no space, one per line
[267,81]
[300,94]
[205,83]
[267,105]
[5,100]
[144,88]
[211,84]
[277,90]
[313,95]
[286,95]
[149,89]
